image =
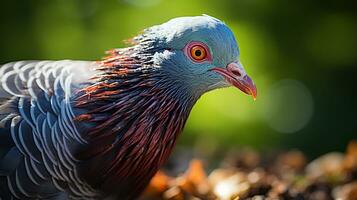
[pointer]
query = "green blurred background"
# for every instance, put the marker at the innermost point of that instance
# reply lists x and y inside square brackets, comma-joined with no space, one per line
[301,54]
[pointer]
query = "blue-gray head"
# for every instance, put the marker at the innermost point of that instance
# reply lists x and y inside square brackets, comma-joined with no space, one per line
[199,53]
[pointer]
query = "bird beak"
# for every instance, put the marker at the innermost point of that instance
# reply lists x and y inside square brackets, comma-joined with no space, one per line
[235,75]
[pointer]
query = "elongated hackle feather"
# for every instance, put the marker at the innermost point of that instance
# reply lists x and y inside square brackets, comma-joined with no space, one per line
[137,114]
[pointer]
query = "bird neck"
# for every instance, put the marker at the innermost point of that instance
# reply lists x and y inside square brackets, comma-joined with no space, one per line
[135,116]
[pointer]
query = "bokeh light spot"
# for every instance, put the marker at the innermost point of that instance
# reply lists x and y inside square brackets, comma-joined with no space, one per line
[288,106]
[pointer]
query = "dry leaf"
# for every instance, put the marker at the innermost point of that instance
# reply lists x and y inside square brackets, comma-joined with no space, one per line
[195,181]
[350,162]
[158,184]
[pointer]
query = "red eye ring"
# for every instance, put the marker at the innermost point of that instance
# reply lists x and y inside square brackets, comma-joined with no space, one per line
[198,52]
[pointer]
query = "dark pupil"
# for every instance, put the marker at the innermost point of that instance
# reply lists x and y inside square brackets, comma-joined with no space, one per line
[198,53]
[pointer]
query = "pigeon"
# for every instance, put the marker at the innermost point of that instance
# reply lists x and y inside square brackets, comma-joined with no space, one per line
[101,129]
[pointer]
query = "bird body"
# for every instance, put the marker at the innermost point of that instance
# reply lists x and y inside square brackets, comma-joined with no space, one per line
[100,130]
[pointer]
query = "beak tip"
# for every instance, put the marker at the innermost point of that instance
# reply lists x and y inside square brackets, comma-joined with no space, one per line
[254,93]
[252,88]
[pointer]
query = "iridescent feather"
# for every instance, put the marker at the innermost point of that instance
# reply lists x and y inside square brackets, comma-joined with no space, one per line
[100,130]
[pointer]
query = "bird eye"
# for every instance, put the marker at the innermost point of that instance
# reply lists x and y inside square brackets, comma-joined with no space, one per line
[197,52]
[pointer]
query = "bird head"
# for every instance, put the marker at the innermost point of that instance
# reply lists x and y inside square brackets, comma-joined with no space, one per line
[198,53]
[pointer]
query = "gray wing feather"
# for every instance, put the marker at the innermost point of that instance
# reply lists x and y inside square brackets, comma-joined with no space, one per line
[37,129]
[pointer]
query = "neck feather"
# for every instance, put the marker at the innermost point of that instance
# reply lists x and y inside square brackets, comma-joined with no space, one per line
[135,116]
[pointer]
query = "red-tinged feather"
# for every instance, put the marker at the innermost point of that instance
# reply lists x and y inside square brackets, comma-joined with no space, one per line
[83,117]
[138,131]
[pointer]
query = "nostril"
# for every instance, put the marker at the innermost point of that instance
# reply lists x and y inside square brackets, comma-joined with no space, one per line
[236,69]
[236,72]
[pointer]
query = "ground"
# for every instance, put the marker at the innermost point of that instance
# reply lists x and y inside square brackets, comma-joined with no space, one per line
[246,174]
